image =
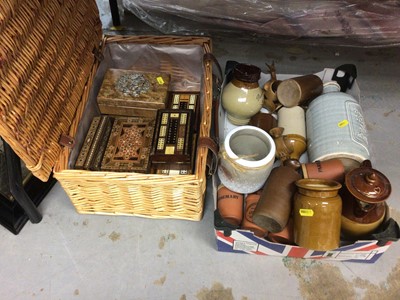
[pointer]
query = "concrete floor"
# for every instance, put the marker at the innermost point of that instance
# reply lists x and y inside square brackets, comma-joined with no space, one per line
[73,256]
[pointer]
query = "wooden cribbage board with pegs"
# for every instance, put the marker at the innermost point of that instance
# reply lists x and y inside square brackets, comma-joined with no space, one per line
[186,100]
[173,141]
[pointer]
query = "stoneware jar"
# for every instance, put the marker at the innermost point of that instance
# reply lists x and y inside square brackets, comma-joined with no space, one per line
[317,212]
[246,159]
[275,205]
[332,169]
[242,97]
[299,90]
[248,224]
[336,128]
[364,196]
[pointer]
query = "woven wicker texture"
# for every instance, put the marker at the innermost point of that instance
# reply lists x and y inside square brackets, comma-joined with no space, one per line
[46,56]
[147,195]
[47,67]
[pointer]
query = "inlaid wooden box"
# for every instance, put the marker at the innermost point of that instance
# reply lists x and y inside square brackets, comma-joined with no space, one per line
[133,93]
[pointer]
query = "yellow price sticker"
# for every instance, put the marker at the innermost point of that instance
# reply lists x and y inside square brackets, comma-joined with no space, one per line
[160,80]
[343,123]
[306,212]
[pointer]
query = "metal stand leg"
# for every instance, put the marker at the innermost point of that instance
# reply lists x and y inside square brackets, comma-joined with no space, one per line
[16,185]
[115,13]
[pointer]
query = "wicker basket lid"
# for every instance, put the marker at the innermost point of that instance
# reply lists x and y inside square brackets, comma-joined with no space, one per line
[46,55]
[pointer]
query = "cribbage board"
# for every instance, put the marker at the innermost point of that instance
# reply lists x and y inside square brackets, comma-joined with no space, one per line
[176,168]
[135,92]
[129,145]
[173,136]
[186,100]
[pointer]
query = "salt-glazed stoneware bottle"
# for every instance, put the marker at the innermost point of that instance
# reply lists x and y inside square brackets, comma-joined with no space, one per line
[336,128]
[242,97]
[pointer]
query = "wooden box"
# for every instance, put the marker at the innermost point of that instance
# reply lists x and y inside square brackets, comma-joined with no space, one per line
[173,142]
[53,58]
[133,93]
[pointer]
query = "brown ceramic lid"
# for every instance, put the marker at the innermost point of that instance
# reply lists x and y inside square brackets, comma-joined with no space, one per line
[368,185]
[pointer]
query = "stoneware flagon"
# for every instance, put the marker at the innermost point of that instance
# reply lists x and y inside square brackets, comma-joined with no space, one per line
[336,128]
[293,121]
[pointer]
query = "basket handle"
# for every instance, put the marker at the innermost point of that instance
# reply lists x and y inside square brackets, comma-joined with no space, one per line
[212,157]
[217,81]
[210,57]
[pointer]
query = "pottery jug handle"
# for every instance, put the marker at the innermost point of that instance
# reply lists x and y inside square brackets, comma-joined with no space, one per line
[366,164]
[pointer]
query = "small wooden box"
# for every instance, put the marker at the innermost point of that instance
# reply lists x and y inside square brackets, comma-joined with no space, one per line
[94,146]
[133,93]
[128,147]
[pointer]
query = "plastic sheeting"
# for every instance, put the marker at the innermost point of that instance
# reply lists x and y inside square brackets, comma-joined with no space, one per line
[348,23]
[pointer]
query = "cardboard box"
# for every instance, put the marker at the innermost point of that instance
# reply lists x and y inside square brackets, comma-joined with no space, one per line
[244,241]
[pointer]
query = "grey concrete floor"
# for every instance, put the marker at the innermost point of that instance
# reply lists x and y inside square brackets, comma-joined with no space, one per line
[73,256]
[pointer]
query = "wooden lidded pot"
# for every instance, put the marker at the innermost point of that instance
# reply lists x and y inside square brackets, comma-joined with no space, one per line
[364,195]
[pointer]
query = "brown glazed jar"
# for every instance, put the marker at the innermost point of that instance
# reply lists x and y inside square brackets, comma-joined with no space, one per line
[364,195]
[317,214]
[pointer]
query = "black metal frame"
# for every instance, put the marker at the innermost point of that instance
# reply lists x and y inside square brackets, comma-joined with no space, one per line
[16,212]
[115,13]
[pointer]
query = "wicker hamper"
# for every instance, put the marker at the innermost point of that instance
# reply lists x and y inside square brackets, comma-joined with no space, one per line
[50,52]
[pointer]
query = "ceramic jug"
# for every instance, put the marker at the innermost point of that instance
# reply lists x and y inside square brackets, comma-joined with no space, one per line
[242,97]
